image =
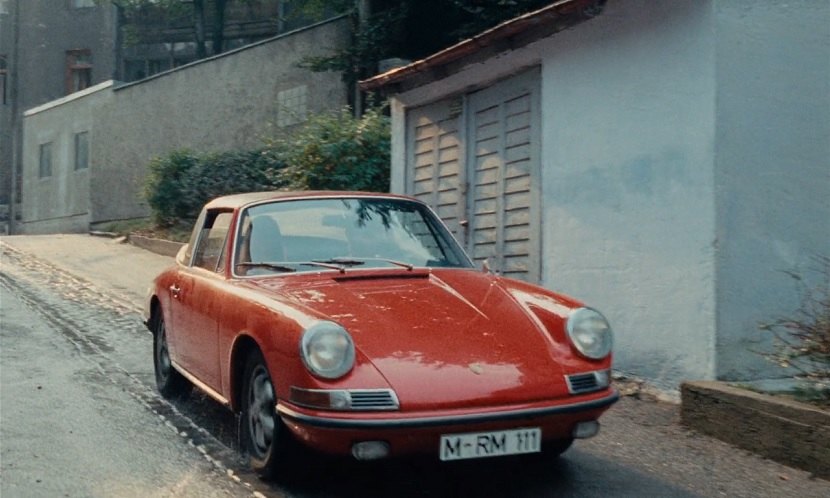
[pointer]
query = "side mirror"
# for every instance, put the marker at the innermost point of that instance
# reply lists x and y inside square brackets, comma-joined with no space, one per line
[485,266]
[181,256]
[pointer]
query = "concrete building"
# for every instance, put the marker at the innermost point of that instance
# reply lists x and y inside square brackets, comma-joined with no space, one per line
[58,136]
[85,156]
[48,50]
[51,48]
[662,161]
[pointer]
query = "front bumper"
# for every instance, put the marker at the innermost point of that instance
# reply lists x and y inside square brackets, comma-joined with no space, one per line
[408,433]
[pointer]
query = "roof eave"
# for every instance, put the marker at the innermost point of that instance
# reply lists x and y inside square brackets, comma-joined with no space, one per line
[520,31]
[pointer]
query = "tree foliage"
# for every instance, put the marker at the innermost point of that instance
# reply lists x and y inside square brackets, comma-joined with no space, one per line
[336,151]
[179,184]
[331,151]
[413,29]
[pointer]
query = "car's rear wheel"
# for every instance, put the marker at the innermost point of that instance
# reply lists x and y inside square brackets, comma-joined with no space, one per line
[263,435]
[170,383]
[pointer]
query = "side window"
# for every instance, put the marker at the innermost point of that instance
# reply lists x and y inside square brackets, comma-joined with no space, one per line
[194,237]
[45,160]
[81,150]
[3,72]
[78,70]
[210,246]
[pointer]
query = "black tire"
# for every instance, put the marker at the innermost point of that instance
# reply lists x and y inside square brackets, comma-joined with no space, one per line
[551,451]
[554,449]
[170,383]
[263,436]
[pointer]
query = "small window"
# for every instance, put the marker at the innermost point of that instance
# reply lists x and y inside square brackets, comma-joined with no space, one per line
[82,150]
[210,248]
[3,78]
[82,4]
[4,6]
[78,70]
[45,170]
[292,106]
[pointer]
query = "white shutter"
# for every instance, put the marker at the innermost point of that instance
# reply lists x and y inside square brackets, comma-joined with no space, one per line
[434,159]
[476,159]
[503,149]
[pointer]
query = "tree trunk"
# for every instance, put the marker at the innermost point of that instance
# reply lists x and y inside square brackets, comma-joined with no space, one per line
[199,28]
[219,27]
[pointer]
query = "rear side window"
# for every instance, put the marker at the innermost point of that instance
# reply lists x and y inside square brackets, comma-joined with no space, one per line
[210,246]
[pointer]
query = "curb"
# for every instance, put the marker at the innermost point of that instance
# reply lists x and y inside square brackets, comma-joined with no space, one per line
[158,246]
[786,431]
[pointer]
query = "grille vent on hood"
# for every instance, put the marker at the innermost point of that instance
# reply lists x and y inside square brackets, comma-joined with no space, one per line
[396,275]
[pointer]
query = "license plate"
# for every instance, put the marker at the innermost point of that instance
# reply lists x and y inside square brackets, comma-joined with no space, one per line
[490,444]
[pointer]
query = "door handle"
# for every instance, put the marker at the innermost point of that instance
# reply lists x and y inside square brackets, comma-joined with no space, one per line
[175,290]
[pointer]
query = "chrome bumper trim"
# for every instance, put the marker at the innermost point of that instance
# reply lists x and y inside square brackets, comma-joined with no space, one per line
[407,423]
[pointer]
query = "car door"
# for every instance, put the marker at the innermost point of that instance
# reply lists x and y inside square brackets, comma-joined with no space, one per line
[197,301]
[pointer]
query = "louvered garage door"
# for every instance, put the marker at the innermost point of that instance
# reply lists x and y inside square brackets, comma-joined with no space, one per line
[503,165]
[475,161]
[434,160]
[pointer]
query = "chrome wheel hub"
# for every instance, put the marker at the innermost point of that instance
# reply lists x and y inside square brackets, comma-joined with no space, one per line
[262,417]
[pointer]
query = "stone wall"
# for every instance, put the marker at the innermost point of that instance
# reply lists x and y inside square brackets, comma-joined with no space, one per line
[221,103]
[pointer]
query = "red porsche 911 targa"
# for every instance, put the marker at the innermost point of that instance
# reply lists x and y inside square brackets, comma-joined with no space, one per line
[353,324]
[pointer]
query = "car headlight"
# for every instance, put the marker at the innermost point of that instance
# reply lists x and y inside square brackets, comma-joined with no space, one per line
[590,333]
[327,350]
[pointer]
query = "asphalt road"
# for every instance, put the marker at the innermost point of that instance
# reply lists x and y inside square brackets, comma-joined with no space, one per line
[68,430]
[79,415]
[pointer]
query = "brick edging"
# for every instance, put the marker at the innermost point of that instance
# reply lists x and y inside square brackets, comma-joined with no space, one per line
[779,429]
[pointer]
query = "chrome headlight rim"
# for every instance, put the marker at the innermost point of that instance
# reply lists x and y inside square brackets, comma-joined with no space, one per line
[313,343]
[577,333]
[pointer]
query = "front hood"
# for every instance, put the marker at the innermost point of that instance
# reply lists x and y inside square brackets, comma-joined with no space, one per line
[444,338]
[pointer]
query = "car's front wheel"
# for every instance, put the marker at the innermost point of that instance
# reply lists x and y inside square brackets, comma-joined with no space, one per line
[170,383]
[554,449]
[263,436]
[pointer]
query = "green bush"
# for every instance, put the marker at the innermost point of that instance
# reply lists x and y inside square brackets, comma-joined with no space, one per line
[333,151]
[336,151]
[179,184]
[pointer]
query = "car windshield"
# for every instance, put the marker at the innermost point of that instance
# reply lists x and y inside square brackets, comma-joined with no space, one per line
[342,233]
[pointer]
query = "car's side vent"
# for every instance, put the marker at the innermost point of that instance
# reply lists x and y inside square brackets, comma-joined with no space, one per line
[583,383]
[373,399]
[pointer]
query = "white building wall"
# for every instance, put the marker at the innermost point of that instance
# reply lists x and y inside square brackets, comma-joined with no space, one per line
[60,202]
[627,151]
[628,222]
[773,167]
[685,163]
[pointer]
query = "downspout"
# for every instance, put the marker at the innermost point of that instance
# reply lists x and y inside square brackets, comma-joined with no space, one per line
[16,132]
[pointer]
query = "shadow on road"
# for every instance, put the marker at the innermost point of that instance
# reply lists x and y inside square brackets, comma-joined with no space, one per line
[576,473]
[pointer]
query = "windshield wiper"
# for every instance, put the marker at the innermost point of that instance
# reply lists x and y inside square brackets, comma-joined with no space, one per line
[324,264]
[346,261]
[270,266]
[290,266]
[353,261]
